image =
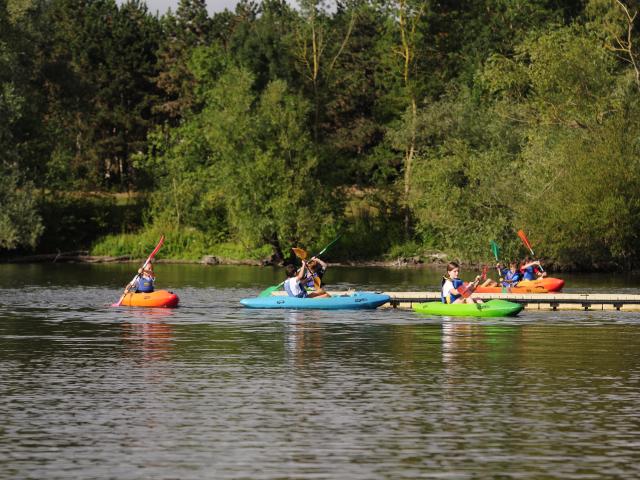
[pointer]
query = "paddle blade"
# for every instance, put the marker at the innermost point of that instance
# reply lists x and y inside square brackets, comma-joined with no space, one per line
[268,291]
[525,240]
[465,291]
[495,249]
[300,253]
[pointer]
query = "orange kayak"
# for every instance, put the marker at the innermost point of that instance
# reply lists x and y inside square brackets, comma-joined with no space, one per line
[541,285]
[159,298]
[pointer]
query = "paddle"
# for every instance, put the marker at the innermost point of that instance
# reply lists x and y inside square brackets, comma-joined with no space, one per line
[467,290]
[496,253]
[527,244]
[302,255]
[132,282]
[268,291]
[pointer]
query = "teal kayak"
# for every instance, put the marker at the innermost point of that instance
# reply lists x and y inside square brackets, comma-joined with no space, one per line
[355,301]
[492,308]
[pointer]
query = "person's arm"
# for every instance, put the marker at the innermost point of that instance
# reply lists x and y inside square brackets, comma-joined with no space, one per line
[322,264]
[473,285]
[300,274]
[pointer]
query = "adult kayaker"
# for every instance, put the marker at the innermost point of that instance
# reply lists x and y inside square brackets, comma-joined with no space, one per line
[317,268]
[530,269]
[451,284]
[146,277]
[294,284]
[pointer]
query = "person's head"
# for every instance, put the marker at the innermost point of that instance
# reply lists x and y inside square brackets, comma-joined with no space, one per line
[314,266]
[453,270]
[290,270]
[513,266]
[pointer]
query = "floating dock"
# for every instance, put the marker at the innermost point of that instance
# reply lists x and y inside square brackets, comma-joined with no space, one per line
[531,301]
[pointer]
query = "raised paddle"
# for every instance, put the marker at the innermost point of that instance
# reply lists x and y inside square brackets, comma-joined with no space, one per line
[527,244]
[268,291]
[496,253]
[302,255]
[132,282]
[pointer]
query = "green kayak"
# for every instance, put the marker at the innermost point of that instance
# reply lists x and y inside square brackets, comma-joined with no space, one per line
[492,308]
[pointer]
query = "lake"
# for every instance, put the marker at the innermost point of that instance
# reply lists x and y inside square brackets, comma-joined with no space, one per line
[213,390]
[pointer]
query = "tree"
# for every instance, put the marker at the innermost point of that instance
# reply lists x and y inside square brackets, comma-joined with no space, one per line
[251,153]
[20,224]
[582,118]
[189,28]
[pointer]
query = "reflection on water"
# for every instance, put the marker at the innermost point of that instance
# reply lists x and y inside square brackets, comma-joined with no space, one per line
[213,390]
[151,336]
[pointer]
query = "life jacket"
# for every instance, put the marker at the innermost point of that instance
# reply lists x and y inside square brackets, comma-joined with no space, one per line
[287,288]
[144,285]
[510,278]
[528,273]
[309,280]
[451,298]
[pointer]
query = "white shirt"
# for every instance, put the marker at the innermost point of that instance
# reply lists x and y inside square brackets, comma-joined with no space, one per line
[446,290]
[294,286]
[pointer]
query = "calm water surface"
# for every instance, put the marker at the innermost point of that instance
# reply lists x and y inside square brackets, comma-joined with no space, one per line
[212,390]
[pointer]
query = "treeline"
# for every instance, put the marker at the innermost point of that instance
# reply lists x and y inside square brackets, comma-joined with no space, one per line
[408,125]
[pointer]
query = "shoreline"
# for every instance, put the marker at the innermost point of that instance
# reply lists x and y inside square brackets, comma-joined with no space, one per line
[433,261]
[84,257]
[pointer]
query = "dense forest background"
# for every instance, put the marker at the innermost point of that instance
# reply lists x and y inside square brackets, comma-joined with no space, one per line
[409,126]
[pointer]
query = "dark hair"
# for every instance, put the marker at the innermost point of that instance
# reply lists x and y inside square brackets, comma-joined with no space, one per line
[290,270]
[451,266]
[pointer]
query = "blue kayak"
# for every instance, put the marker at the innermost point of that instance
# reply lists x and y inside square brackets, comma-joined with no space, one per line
[355,301]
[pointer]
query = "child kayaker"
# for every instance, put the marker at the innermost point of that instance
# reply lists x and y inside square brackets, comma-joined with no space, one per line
[146,277]
[511,275]
[317,268]
[531,269]
[451,286]
[294,284]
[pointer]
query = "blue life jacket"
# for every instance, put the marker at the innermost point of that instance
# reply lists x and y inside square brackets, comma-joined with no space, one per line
[144,285]
[529,274]
[452,298]
[510,278]
[302,294]
[309,283]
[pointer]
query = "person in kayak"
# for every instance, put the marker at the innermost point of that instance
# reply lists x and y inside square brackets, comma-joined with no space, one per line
[451,286]
[146,278]
[317,268]
[294,284]
[531,269]
[510,276]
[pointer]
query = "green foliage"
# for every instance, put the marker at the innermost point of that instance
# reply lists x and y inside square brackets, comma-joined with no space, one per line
[403,124]
[74,221]
[581,120]
[20,224]
[184,243]
[256,151]
[467,175]
[180,243]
